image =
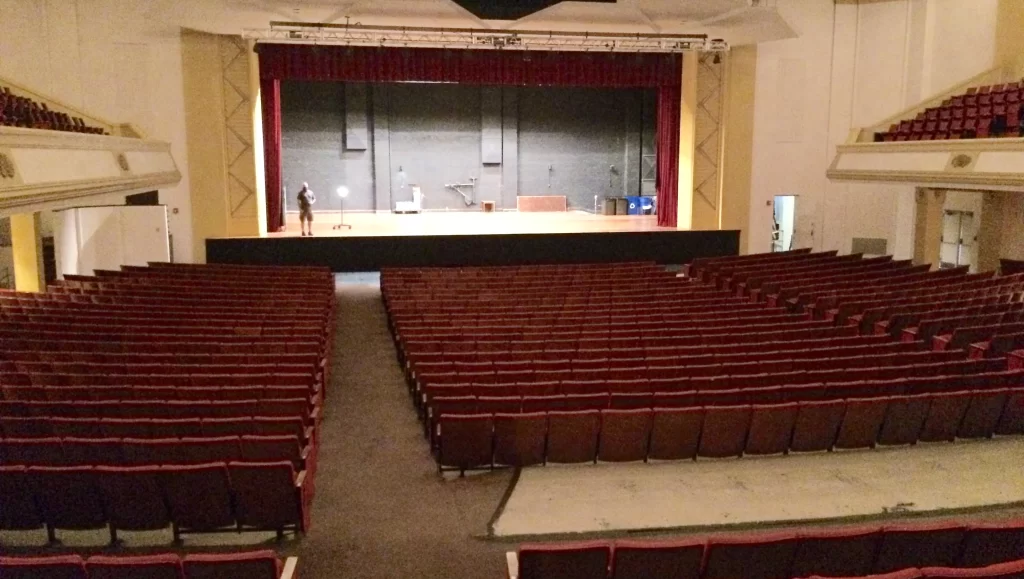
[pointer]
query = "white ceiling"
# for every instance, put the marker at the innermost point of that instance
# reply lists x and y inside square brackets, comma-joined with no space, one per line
[733,20]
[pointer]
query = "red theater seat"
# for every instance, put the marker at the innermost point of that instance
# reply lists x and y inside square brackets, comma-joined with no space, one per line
[930,545]
[990,543]
[1012,420]
[624,435]
[583,560]
[133,498]
[945,413]
[675,433]
[725,431]
[983,414]
[135,567]
[861,423]
[1009,570]
[750,556]
[572,436]
[817,425]
[904,418]
[269,495]
[68,498]
[644,559]
[771,428]
[848,552]
[465,440]
[18,510]
[53,567]
[520,439]
[254,565]
[198,496]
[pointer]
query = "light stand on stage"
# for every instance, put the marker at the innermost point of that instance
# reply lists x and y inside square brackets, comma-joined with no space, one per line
[342,194]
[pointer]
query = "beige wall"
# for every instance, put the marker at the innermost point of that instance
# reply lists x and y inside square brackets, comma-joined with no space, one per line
[854,63]
[990,236]
[110,59]
[204,120]
[219,109]
[738,131]
[1013,226]
[928,234]
[1009,40]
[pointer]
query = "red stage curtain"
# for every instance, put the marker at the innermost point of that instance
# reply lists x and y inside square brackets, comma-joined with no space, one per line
[667,150]
[480,67]
[270,98]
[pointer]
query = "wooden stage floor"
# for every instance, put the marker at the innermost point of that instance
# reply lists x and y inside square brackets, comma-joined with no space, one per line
[471,223]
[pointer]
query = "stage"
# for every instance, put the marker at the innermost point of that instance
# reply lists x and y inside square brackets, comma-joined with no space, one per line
[461,238]
[469,223]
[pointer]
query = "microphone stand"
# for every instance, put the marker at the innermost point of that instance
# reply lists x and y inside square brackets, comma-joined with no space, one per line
[341,215]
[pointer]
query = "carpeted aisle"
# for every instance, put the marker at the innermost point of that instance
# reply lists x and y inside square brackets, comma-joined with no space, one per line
[381,510]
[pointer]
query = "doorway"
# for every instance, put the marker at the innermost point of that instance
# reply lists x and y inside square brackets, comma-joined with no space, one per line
[783,220]
[957,239]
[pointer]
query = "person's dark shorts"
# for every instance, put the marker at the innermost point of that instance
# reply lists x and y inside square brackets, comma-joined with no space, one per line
[306,214]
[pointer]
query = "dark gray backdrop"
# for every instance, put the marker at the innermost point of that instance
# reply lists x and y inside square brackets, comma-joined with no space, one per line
[377,140]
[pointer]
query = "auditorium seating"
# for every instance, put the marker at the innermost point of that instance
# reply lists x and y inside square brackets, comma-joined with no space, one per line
[19,111]
[189,400]
[253,564]
[975,549]
[707,368]
[979,113]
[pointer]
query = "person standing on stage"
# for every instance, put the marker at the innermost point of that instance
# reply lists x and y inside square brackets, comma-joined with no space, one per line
[306,200]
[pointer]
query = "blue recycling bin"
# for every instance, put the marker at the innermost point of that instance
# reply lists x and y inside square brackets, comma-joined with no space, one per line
[633,202]
[646,205]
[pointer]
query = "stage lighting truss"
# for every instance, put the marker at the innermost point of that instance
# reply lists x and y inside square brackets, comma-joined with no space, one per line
[392,36]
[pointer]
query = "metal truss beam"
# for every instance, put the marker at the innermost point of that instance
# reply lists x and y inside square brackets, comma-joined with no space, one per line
[472,38]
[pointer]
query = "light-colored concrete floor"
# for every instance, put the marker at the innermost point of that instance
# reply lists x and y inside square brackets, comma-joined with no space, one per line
[827,486]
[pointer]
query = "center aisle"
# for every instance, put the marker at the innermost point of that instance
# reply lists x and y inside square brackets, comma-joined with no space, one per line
[380,508]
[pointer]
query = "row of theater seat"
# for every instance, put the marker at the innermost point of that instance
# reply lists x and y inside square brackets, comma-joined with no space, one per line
[222,438]
[160,345]
[248,565]
[961,288]
[19,111]
[1000,345]
[961,338]
[839,552]
[633,399]
[980,112]
[471,441]
[756,281]
[46,425]
[463,355]
[64,393]
[929,326]
[713,390]
[296,408]
[500,354]
[74,451]
[266,496]
[779,353]
[902,313]
[813,369]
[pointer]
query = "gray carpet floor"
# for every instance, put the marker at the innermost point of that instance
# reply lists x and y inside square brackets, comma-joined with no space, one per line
[381,510]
